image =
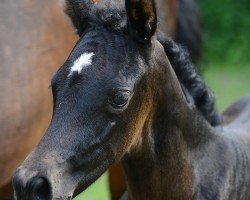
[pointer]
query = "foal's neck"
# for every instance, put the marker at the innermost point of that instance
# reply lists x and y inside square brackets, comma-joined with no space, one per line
[160,167]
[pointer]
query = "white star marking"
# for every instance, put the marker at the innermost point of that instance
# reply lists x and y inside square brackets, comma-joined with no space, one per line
[83,61]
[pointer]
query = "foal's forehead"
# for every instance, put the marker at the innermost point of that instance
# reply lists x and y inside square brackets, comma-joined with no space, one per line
[101,57]
[83,61]
[98,48]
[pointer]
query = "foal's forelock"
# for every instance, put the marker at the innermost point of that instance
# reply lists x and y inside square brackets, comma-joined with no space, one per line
[106,12]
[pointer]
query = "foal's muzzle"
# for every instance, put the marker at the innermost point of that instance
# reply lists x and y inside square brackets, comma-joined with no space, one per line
[31,187]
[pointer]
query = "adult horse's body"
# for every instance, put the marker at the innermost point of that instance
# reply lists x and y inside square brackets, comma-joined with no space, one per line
[34,39]
[118,97]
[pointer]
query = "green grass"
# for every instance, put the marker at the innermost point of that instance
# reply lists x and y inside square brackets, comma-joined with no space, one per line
[229,83]
[97,191]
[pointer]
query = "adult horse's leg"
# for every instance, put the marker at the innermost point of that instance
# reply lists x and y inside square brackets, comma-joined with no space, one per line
[34,40]
[117,182]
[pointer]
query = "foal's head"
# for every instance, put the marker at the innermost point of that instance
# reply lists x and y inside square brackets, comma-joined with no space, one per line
[103,95]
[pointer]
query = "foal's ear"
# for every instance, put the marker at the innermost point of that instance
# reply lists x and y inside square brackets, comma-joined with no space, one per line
[142,18]
[75,10]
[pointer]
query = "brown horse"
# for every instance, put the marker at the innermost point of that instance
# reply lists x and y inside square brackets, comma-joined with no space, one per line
[117,97]
[34,39]
[38,37]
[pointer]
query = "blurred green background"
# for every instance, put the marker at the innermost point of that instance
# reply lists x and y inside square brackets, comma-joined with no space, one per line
[227,48]
[226,62]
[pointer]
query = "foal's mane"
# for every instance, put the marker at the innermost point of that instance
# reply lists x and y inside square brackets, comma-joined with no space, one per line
[190,79]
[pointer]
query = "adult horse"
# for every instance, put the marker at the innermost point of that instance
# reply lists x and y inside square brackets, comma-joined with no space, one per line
[34,39]
[118,97]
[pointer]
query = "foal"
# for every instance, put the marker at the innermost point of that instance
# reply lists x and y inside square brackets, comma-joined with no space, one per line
[117,97]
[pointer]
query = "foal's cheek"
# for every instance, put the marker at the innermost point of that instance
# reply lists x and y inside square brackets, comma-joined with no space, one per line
[124,137]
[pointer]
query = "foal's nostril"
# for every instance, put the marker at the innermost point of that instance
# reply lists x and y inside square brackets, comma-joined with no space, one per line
[17,181]
[35,188]
[42,189]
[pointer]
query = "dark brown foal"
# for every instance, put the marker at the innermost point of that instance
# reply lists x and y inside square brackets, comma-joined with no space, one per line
[118,98]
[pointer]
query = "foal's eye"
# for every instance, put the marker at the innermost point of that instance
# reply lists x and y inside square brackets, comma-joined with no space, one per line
[120,99]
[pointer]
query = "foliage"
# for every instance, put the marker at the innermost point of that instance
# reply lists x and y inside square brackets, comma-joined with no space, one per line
[227,30]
